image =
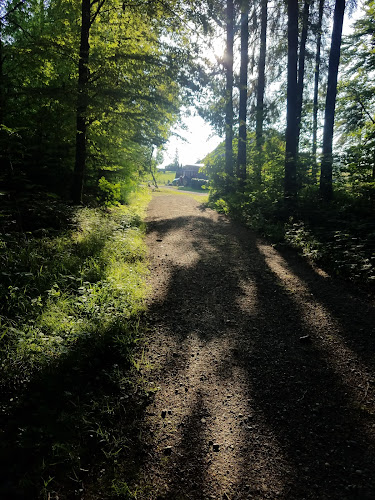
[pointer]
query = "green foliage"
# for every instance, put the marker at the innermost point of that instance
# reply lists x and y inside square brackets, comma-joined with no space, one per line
[220,206]
[68,322]
[257,204]
[199,184]
[138,63]
[73,284]
[272,166]
[110,194]
[356,106]
[339,236]
[300,237]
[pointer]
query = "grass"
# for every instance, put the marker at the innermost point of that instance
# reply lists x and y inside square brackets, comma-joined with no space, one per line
[164,176]
[196,195]
[71,305]
[192,190]
[161,176]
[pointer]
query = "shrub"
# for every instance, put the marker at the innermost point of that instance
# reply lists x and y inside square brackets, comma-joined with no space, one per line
[109,194]
[199,183]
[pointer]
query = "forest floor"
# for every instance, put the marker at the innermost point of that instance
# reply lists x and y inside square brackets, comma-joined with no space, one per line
[263,368]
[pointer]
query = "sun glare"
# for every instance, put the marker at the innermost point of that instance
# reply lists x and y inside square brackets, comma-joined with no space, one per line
[192,144]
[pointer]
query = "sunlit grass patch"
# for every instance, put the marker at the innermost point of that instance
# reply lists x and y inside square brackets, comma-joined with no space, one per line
[203,198]
[163,176]
[69,319]
[56,289]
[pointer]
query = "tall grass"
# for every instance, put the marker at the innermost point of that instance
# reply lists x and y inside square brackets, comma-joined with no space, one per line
[70,313]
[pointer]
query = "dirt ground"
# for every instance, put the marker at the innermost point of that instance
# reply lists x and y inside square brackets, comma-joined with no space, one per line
[263,365]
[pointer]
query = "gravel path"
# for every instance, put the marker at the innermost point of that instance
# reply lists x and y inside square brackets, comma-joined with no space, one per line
[264,367]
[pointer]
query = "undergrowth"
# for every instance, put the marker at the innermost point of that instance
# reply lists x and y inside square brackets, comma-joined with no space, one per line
[340,236]
[71,303]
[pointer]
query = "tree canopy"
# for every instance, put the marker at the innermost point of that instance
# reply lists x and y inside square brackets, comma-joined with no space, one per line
[106,76]
[89,89]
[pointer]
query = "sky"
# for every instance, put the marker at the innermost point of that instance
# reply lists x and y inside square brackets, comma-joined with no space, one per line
[200,140]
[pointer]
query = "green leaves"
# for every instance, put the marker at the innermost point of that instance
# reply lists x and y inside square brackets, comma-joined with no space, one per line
[138,68]
[56,290]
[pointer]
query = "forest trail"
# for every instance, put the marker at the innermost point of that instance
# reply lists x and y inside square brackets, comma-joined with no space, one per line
[265,367]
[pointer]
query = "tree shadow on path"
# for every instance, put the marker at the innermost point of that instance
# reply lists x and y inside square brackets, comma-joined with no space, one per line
[286,380]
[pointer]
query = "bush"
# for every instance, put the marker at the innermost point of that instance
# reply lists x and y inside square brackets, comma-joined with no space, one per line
[199,183]
[109,194]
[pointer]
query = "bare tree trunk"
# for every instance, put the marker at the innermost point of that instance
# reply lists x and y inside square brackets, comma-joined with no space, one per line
[260,91]
[82,104]
[151,170]
[229,94]
[242,135]
[1,74]
[290,184]
[4,163]
[301,66]
[316,93]
[326,189]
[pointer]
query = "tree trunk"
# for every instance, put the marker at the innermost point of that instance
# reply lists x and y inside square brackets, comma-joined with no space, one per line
[260,91]
[151,170]
[82,104]
[242,135]
[290,185]
[301,66]
[3,158]
[229,94]
[326,189]
[42,15]
[5,14]
[2,100]
[316,93]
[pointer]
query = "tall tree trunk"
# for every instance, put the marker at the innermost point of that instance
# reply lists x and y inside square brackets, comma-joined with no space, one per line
[301,66]
[4,163]
[82,104]
[260,91]
[326,189]
[242,135]
[4,15]
[5,160]
[229,94]
[42,15]
[316,93]
[1,75]
[290,184]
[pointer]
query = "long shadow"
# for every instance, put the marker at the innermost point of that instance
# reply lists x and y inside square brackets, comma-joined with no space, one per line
[73,426]
[326,440]
[309,406]
[189,466]
[198,294]
[351,308]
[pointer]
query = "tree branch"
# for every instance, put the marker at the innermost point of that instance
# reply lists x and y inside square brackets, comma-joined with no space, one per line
[101,3]
[12,10]
[365,110]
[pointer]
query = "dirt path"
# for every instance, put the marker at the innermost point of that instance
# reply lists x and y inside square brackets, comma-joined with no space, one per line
[265,368]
